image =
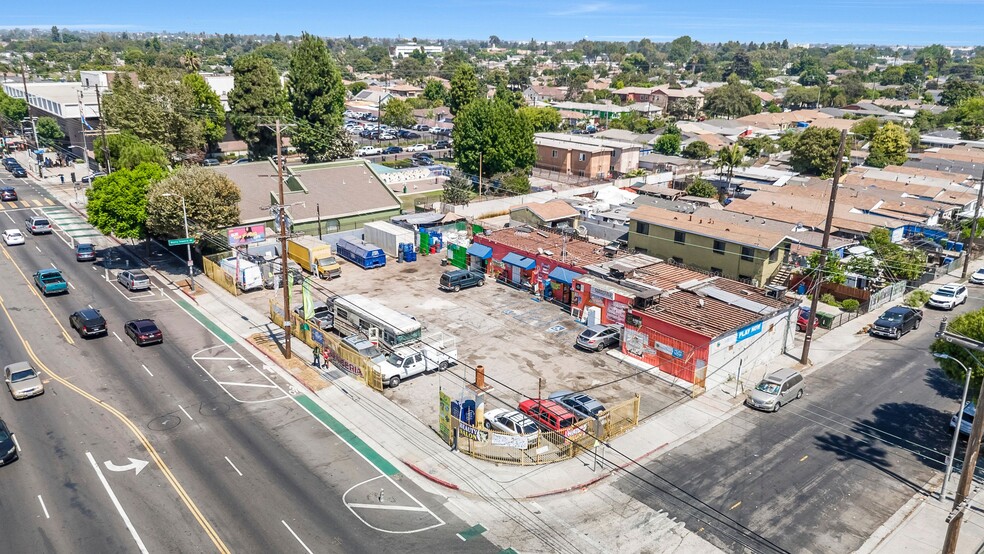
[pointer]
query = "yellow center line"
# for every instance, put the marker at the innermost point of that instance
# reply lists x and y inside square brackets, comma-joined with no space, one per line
[736,505]
[185,498]
[804,457]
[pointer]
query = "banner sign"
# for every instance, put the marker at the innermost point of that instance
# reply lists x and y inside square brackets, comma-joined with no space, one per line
[247,234]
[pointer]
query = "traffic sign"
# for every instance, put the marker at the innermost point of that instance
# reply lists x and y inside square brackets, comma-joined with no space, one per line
[179,242]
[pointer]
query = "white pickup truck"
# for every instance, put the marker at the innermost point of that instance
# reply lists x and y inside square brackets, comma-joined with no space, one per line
[430,353]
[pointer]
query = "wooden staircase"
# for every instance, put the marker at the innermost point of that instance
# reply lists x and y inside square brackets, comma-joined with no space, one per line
[782,276]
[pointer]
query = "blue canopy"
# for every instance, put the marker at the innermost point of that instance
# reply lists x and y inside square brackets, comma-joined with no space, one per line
[480,250]
[515,259]
[563,275]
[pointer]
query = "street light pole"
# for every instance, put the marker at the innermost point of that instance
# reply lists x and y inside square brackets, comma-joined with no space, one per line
[956,431]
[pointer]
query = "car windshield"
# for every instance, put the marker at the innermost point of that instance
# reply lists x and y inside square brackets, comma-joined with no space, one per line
[13,234]
[526,427]
[944,292]
[967,417]
[4,435]
[768,388]
[22,375]
[40,222]
[892,316]
[395,359]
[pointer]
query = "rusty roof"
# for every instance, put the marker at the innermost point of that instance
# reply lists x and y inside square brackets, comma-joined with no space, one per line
[570,250]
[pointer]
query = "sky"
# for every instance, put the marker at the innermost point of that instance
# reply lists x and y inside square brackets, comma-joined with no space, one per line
[884,22]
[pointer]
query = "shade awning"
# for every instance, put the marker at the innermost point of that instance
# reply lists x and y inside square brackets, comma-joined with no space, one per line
[563,275]
[480,251]
[522,262]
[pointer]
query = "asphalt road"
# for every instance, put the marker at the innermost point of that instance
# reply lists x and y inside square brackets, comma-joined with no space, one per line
[826,471]
[236,462]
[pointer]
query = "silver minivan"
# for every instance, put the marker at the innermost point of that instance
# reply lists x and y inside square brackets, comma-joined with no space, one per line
[776,390]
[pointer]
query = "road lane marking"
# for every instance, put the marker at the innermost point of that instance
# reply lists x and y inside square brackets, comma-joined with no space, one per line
[43,507]
[219,358]
[147,370]
[383,507]
[296,537]
[186,413]
[134,464]
[90,306]
[804,457]
[8,217]
[52,265]
[735,505]
[117,336]
[234,466]
[38,249]
[258,385]
[16,444]
[71,285]
[116,502]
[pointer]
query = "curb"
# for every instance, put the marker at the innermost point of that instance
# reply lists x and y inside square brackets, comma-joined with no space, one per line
[587,484]
[430,477]
[276,363]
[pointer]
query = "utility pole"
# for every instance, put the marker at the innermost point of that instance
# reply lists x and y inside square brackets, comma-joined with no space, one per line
[317,209]
[480,174]
[85,144]
[102,129]
[960,498]
[284,233]
[34,125]
[824,251]
[973,227]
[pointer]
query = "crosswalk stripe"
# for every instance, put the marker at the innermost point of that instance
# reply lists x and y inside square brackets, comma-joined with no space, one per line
[49,202]
[12,205]
[37,203]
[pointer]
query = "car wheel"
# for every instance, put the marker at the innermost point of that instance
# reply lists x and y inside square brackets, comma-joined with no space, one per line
[488,425]
[916,326]
[443,365]
[799,394]
[481,283]
[394,381]
[456,288]
[898,333]
[777,406]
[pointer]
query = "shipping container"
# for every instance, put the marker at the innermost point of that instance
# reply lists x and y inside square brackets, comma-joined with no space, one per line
[361,253]
[387,236]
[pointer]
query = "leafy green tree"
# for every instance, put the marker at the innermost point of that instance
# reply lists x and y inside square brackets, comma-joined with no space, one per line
[863,265]
[14,109]
[702,188]
[117,203]
[514,182]
[684,108]
[681,49]
[127,152]
[812,77]
[668,144]
[728,158]
[456,190]
[211,198]
[697,150]
[434,92]
[889,146]
[256,97]
[956,91]
[970,325]
[317,97]
[898,263]
[934,57]
[541,118]
[162,111]
[758,146]
[48,130]
[494,130]
[357,87]
[866,128]
[732,100]
[832,272]
[208,108]
[464,88]
[398,113]
[787,141]
[815,152]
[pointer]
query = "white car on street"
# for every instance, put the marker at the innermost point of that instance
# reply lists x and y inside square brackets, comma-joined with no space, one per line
[415,148]
[12,237]
[978,277]
[368,151]
[949,296]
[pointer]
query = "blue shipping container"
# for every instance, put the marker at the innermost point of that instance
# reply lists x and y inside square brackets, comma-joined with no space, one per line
[361,253]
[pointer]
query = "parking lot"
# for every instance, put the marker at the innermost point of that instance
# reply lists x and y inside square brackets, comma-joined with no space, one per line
[517,339]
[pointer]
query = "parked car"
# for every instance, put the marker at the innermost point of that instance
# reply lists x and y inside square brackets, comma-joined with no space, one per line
[88,179]
[368,151]
[363,347]
[458,279]
[417,148]
[423,156]
[321,314]
[210,162]
[8,446]
[804,319]
[896,321]
[977,277]
[966,419]
[392,150]
[441,145]
[241,161]
[777,389]
[37,226]
[8,194]
[143,331]
[12,237]
[18,171]
[512,422]
[85,252]
[550,416]
[583,405]
[421,127]
[22,381]
[88,322]
[948,297]
[405,134]
[133,279]
[599,337]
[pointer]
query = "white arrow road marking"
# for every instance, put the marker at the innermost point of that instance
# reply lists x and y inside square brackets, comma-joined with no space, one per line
[134,464]
[116,502]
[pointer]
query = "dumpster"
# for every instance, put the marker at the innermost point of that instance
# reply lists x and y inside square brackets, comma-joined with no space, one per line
[826,320]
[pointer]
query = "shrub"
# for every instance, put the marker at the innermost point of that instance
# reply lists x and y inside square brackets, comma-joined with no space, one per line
[829,299]
[917,298]
[850,305]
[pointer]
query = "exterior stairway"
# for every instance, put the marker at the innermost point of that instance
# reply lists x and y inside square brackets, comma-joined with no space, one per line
[781,277]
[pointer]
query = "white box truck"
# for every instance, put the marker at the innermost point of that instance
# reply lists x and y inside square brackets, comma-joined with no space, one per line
[314,256]
[387,236]
[246,274]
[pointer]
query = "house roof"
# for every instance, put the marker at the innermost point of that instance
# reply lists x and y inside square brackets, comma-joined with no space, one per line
[572,251]
[567,145]
[729,231]
[679,92]
[553,210]
[947,175]
[405,87]
[768,120]
[633,90]
[589,140]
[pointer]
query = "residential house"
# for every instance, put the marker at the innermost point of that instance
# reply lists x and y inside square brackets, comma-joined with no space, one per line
[664,97]
[405,90]
[555,214]
[537,95]
[623,156]
[404,50]
[634,94]
[567,158]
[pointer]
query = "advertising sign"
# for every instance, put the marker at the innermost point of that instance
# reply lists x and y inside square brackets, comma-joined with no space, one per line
[748,331]
[247,234]
[444,417]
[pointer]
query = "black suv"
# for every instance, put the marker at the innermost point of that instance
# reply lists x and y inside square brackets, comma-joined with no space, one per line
[461,279]
[896,322]
[88,322]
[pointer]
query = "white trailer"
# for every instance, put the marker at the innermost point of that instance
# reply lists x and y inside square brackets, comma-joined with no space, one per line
[387,236]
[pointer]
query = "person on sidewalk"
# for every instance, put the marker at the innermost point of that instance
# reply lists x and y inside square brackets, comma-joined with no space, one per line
[317,356]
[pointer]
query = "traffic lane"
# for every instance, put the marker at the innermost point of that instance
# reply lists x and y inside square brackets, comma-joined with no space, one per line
[871,426]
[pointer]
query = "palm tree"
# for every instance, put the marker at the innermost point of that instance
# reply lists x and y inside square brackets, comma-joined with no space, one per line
[191,60]
[728,158]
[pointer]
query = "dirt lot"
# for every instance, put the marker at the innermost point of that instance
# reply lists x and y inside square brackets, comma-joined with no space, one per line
[516,338]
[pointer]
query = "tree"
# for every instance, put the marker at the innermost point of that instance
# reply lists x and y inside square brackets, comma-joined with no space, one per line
[866,128]
[668,144]
[815,152]
[541,118]
[498,133]
[832,272]
[728,158]
[127,152]
[970,325]
[702,188]
[684,108]
[681,49]
[191,61]
[758,146]
[464,88]
[398,113]
[14,109]
[889,146]
[457,190]
[211,199]
[956,91]
[513,182]
[935,57]
[863,265]
[48,130]
[317,98]
[813,76]
[357,87]
[732,100]
[697,150]
[434,92]
[117,203]
[256,97]
[898,263]
[208,109]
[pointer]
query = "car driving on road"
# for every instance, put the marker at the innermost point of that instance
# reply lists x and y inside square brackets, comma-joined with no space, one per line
[8,194]
[8,446]
[948,297]
[88,322]
[12,237]
[85,252]
[22,380]
[896,321]
[37,226]
[143,331]
[133,279]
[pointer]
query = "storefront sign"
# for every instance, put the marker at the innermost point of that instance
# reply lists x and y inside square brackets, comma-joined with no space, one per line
[748,331]
[597,292]
[667,349]
[615,311]
[444,417]
[470,432]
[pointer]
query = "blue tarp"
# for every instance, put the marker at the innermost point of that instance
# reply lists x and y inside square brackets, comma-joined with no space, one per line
[480,250]
[562,275]
[515,259]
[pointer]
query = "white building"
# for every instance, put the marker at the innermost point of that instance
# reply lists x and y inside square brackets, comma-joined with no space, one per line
[404,50]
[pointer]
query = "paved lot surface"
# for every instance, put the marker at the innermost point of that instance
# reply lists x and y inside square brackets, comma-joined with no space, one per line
[516,338]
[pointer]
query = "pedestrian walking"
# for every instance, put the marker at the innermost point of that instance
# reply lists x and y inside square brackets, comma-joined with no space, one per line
[317,356]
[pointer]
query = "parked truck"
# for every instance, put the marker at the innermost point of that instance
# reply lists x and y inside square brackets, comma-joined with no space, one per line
[434,352]
[246,273]
[50,281]
[314,256]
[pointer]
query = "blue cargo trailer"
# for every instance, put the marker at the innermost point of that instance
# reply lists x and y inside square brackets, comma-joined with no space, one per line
[363,254]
